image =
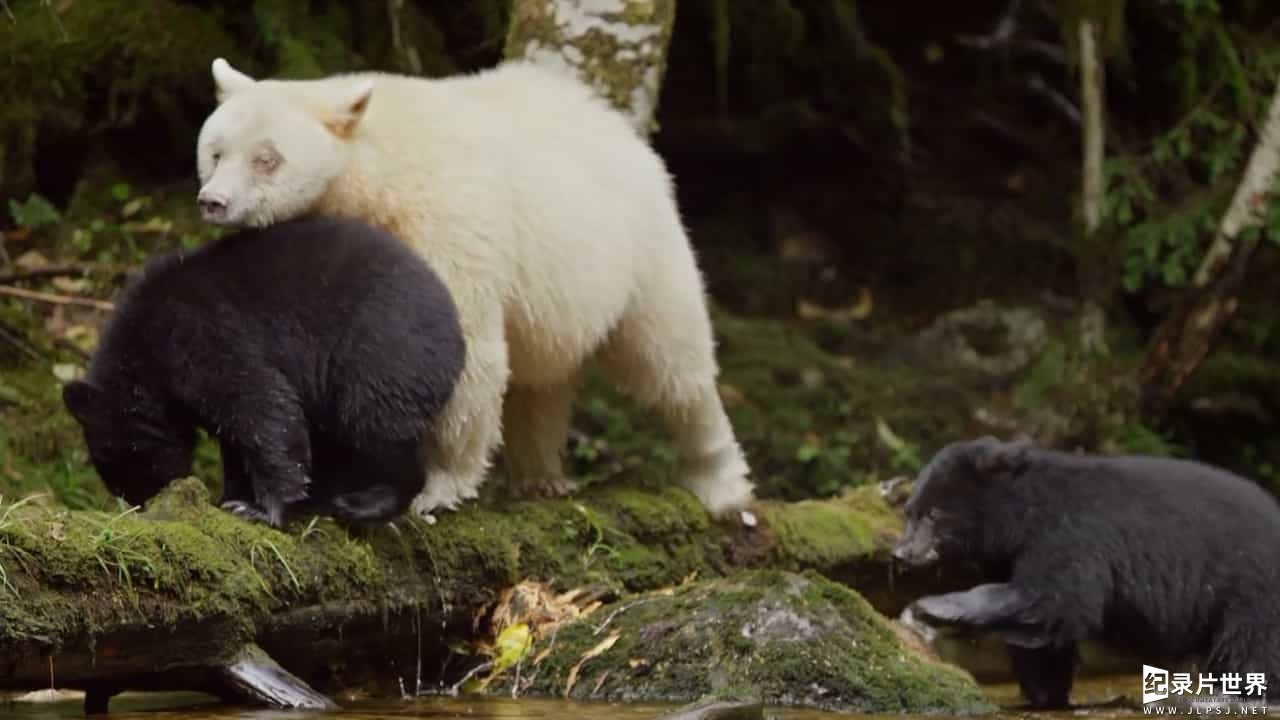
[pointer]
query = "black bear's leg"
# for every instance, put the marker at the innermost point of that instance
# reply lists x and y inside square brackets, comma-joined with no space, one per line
[261,423]
[235,481]
[1071,593]
[378,485]
[1045,674]
[1247,640]
[237,487]
[1000,607]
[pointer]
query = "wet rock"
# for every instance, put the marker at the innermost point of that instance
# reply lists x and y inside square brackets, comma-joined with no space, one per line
[985,338]
[719,710]
[783,638]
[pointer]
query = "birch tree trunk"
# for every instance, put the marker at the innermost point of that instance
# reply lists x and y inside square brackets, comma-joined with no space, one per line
[1092,103]
[1091,100]
[618,46]
[1187,335]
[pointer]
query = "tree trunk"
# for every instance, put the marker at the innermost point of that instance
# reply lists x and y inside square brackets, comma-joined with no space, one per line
[617,46]
[1092,322]
[1091,101]
[1187,335]
[177,597]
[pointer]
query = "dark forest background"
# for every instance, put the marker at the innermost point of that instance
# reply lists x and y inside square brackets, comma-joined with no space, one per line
[885,198]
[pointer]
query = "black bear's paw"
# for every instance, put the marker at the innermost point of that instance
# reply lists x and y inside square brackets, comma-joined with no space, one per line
[246,511]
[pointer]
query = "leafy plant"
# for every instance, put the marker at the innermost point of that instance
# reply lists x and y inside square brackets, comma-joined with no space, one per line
[34,212]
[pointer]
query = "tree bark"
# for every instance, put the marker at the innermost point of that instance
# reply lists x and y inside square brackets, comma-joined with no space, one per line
[1092,321]
[617,46]
[169,599]
[1091,101]
[1188,334]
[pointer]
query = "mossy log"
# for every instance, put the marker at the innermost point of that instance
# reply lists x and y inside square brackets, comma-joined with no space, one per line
[157,599]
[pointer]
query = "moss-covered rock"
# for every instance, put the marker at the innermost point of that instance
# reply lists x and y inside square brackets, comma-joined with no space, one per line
[790,639]
[329,603]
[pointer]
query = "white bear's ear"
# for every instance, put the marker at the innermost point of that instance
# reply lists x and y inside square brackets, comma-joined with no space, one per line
[346,116]
[228,79]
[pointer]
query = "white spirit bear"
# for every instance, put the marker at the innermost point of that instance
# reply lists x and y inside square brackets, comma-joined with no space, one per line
[553,224]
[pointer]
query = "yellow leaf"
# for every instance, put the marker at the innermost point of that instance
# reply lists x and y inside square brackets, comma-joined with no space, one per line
[512,644]
[131,208]
[31,260]
[66,372]
[70,285]
[154,224]
[860,310]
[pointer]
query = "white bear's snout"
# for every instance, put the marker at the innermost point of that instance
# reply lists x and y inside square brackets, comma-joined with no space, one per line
[213,205]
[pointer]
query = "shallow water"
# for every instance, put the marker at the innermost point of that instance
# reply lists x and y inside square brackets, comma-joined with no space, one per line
[199,707]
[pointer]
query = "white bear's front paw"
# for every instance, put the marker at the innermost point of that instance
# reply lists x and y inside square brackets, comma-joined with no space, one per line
[443,491]
[722,487]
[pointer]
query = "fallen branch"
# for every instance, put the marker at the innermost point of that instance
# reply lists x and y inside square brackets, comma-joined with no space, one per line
[1037,85]
[999,36]
[55,299]
[1187,335]
[43,273]
[14,338]
[1005,36]
[160,600]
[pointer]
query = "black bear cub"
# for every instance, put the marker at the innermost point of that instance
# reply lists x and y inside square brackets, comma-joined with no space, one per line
[1168,559]
[317,352]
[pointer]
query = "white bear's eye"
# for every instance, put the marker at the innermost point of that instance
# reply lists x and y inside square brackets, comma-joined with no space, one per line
[266,162]
[216,157]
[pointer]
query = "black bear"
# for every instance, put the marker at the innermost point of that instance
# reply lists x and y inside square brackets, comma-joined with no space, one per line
[1167,559]
[317,352]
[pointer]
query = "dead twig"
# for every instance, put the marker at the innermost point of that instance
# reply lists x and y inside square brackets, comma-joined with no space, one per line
[13,337]
[1037,85]
[1002,34]
[485,666]
[1005,36]
[57,20]
[600,628]
[55,299]
[43,273]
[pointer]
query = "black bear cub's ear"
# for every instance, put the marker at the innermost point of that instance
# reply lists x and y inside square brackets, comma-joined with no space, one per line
[990,456]
[81,399]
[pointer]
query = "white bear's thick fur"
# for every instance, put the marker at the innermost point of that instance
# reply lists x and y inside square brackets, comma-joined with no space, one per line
[553,223]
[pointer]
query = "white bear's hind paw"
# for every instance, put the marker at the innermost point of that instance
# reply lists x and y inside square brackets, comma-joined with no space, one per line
[547,487]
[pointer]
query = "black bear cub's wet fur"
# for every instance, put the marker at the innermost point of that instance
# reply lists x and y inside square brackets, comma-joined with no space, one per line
[317,352]
[1169,559]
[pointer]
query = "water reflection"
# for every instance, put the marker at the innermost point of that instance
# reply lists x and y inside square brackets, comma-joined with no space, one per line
[200,707]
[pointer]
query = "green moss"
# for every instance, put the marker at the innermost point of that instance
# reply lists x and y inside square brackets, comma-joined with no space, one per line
[41,450]
[76,575]
[824,535]
[307,42]
[157,50]
[788,639]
